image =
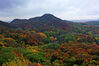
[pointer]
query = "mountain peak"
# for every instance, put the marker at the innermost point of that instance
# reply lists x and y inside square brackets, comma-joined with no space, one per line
[46,15]
[45,18]
[50,17]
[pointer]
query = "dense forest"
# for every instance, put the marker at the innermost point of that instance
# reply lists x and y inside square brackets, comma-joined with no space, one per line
[49,41]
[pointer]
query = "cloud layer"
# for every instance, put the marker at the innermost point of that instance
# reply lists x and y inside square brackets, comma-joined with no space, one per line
[65,9]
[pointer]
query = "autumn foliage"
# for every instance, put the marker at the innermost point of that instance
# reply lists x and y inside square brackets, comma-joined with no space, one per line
[78,46]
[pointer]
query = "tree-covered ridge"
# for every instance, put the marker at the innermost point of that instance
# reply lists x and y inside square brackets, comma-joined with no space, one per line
[77,45]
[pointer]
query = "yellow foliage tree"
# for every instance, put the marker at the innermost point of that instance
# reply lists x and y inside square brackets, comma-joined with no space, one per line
[42,35]
[52,38]
[2,44]
[18,62]
[96,38]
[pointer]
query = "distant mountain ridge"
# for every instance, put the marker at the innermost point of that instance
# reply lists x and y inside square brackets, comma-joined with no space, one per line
[5,24]
[43,18]
[19,20]
[46,21]
[93,23]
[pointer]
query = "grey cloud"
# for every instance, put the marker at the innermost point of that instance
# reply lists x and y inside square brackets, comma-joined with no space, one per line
[65,9]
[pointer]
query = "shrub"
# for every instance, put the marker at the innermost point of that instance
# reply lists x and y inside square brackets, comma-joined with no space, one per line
[51,46]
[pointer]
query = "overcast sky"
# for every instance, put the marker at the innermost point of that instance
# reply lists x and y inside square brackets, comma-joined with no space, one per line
[65,9]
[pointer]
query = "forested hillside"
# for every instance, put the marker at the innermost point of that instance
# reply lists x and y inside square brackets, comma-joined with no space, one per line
[48,41]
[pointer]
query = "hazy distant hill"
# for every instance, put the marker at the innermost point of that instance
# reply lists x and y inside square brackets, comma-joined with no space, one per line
[93,23]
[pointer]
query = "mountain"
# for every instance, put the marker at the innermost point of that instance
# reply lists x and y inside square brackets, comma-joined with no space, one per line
[45,18]
[84,20]
[19,21]
[4,24]
[92,23]
[45,22]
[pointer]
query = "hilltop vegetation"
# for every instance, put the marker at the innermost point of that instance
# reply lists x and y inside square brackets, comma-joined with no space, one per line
[49,41]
